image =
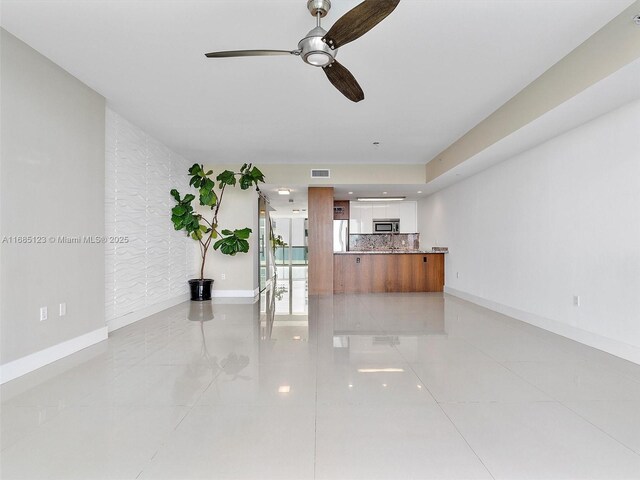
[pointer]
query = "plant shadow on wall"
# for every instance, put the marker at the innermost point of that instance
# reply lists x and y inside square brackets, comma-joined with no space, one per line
[205,230]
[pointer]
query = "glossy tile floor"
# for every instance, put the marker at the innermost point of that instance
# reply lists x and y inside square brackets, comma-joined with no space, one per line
[387,386]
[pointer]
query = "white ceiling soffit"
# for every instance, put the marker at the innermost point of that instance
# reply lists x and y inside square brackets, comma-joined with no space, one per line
[430,71]
[609,94]
[612,47]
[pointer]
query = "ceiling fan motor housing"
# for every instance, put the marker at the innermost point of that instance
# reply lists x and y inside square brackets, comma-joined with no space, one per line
[314,51]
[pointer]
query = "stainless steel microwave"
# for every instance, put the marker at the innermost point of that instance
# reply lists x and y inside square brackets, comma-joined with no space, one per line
[386,225]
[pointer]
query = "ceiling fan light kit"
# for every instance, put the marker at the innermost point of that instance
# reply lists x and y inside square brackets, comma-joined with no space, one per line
[314,51]
[320,47]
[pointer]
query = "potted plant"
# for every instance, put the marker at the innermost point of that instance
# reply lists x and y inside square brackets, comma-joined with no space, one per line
[205,230]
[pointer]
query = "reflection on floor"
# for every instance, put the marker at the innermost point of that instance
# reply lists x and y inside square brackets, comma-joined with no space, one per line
[364,386]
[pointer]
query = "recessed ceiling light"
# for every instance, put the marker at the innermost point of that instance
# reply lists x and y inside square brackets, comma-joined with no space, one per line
[284,389]
[351,385]
[419,191]
[350,193]
[384,193]
[384,384]
[297,337]
[284,191]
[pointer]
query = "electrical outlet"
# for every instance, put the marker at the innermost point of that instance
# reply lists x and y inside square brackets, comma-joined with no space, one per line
[576,300]
[43,314]
[63,309]
[223,276]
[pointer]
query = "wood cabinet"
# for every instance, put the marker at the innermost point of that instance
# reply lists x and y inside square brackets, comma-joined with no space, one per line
[394,272]
[341,210]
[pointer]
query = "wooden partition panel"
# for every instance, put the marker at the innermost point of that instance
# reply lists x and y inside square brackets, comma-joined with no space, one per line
[320,240]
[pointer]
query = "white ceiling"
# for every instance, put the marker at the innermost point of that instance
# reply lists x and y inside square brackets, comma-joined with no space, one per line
[283,207]
[431,71]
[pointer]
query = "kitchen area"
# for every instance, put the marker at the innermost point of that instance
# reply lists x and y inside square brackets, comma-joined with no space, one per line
[376,248]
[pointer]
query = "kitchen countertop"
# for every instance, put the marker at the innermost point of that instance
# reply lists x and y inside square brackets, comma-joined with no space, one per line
[381,252]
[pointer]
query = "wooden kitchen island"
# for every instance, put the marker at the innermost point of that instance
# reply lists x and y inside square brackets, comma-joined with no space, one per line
[376,272]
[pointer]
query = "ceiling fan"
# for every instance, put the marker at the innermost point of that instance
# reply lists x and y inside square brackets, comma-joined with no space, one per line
[319,47]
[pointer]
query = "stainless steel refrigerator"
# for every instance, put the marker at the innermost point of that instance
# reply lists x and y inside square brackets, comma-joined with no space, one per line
[340,235]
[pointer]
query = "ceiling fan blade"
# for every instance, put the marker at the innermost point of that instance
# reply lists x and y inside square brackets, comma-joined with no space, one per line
[250,53]
[342,79]
[358,21]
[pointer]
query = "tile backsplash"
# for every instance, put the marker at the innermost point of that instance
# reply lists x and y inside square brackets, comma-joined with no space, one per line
[383,241]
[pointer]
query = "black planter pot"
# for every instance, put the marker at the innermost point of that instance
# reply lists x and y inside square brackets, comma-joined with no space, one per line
[200,289]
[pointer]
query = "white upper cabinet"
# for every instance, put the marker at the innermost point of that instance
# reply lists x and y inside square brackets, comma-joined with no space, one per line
[393,211]
[378,210]
[360,218]
[362,215]
[408,217]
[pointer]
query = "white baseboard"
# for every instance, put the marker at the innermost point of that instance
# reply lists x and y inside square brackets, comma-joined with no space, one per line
[614,347]
[32,362]
[133,317]
[235,293]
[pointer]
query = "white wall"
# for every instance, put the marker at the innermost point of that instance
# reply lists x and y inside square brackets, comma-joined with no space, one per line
[559,220]
[239,209]
[52,183]
[150,272]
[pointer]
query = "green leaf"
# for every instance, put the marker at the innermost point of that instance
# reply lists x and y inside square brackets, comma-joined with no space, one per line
[203,228]
[195,168]
[227,177]
[177,222]
[243,246]
[242,233]
[234,243]
[174,193]
[246,180]
[188,198]
[257,175]
[178,210]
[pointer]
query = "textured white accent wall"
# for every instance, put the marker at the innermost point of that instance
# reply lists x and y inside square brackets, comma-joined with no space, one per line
[557,221]
[154,266]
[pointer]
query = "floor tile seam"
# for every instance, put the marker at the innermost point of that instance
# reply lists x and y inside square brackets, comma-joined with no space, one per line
[637,454]
[315,410]
[167,436]
[506,367]
[452,423]
[481,350]
[561,402]
[492,402]
[603,369]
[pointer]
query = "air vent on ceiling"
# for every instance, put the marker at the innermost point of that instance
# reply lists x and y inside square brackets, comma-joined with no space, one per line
[324,173]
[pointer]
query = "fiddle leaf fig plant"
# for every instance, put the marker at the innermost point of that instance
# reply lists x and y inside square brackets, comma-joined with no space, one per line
[204,229]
